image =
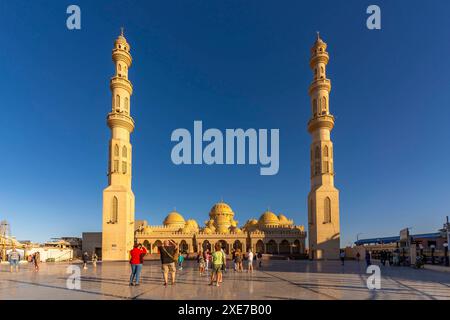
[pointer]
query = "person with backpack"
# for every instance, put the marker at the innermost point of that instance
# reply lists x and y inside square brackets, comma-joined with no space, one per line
[218,260]
[168,258]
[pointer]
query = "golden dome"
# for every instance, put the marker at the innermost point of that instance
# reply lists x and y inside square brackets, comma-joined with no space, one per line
[174,219]
[221,209]
[284,220]
[269,218]
[207,230]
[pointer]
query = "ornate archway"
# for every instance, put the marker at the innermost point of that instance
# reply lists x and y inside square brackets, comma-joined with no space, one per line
[296,248]
[183,247]
[272,247]
[260,246]
[206,245]
[147,245]
[156,245]
[285,247]
[224,246]
[237,245]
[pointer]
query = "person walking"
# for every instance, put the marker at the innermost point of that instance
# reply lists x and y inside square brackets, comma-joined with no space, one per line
[250,260]
[205,256]
[368,262]
[136,260]
[36,260]
[14,258]
[201,263]
[85,260]
[233,257]
[218,260]
[342,256]
[180,261]
[238,260]
[168,252]
[94,259]
[259,257]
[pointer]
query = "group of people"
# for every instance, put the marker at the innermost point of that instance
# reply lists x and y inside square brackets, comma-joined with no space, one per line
[170,255]
[94,259]
[13,257]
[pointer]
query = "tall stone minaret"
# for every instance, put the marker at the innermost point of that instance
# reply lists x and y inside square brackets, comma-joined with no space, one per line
[118,198]
[323,199]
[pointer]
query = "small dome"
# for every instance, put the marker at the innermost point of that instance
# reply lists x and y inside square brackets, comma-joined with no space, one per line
[269,218]
[221,208]
[174,219]
[207,230]
[283,219]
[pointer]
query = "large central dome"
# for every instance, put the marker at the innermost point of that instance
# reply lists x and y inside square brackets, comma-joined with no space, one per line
[221,209]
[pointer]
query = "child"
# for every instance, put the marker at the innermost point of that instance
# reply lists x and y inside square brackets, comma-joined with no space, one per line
[201,263]
[180,262]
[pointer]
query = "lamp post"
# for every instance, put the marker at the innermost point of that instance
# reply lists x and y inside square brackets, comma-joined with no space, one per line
[432,253]
[357,236]
[446,254]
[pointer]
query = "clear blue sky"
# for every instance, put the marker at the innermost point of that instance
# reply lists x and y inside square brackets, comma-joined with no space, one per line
[230,64]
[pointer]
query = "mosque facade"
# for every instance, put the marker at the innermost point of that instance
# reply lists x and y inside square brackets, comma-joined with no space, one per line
[271,233]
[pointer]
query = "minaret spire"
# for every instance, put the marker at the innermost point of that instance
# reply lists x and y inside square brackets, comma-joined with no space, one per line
[118,197]
[323,199]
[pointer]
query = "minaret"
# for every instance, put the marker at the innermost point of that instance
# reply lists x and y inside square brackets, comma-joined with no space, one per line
[118,198]
[323,199]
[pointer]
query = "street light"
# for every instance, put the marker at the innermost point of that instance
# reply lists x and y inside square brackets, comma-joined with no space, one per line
[446,254]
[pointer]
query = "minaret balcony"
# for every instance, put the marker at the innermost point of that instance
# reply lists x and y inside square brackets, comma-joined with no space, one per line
[122,55]
[320,84]
[321,57]
[121,82]
[116,119]
[322,121]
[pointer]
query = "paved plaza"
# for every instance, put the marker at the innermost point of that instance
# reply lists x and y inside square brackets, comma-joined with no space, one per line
[278,280]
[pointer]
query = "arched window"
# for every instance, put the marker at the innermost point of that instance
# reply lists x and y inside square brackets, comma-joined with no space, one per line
[327,210]
[124,151]
[314,107]
[324,105]
[117,102]
[126,105]
[115,210]
[325,167]
[317,152]
[116,150]
[116,166]
[120,67]
[124,167]
[325,151]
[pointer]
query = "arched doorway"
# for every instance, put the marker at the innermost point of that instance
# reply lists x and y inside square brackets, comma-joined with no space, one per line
[260,246]
[206,246]
[296,248]
[272,247]
[184,247]
[285,247]
[147,245]
[237,245]
[156,246]
[224,245]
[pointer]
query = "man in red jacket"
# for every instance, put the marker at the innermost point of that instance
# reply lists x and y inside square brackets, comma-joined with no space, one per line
[137,258]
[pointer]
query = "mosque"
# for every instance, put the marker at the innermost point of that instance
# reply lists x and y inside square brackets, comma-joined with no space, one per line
[271,233]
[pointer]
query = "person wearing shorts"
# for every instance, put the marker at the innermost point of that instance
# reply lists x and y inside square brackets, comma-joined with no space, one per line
[250,260]
[14,258]
[168,252]
[218,259]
